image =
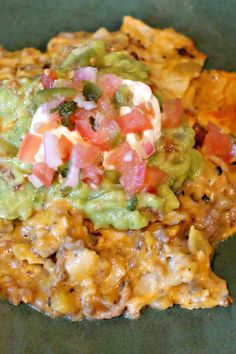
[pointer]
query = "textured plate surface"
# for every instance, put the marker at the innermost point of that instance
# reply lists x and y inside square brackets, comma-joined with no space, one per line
[23,331]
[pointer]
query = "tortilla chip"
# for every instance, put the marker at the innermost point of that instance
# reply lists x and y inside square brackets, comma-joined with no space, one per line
[66,39]
[28,62]
[73,39]
[212,97]
[229,233]
[171,56]
[60,46]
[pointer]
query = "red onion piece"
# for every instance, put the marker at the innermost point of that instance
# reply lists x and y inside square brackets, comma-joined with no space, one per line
[87,73]
[47,107]
[147,148]
[233,151]
[88,105]
[35,181]
[72,178]
[51,150]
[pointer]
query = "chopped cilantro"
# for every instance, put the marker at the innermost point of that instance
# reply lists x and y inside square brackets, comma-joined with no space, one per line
[132,203]
[63,169]
[66,109]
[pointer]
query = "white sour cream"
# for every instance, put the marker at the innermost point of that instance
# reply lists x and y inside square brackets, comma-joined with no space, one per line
[143,94]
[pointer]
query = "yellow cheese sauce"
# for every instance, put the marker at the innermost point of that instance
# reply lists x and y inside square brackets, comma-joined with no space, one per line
[56,261]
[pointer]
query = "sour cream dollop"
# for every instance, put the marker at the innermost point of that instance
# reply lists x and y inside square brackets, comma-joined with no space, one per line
[141,93]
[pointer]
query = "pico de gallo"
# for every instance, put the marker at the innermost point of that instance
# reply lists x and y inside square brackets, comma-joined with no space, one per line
[92,131]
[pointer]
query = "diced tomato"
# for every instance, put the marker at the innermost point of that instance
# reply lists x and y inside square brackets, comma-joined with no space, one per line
[218,143]
[133,178]
[109,83]
[172,113]
[153,178]
[48,78]
[104,136]
[53,123]
[109,131]
[80,114]
[87,133]
[107,108]
[92,175]
[29,147]
[43,173]
[134,122]
[65,146]
[84,155]
[128,162]
[121,157]
[147,109]
[136,176]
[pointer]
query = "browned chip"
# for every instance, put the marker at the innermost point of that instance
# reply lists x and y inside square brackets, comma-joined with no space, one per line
[213,97]
[73,39]
[59,46]
[66,39]
[27,62]
[171,56]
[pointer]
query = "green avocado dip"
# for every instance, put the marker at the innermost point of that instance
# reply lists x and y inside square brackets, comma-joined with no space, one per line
[90,132]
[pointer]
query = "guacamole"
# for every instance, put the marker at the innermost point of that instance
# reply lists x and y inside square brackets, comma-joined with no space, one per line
[64,135]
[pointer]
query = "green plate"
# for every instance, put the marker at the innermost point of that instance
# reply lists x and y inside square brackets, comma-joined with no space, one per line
[212,24]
